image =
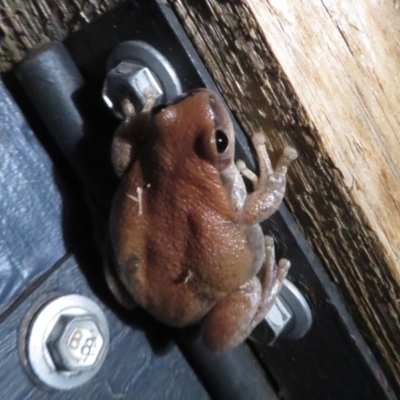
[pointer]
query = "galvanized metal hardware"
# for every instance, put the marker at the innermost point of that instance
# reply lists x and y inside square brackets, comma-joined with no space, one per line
[133,67]
[67,342]
[290,317]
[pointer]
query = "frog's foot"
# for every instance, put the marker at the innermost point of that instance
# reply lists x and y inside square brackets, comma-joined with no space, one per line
[150,98]
[271,277]
[232,320]
[267,173]
[127,137]
[269,188]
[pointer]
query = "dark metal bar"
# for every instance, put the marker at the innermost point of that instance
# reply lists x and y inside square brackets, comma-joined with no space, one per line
[58,92]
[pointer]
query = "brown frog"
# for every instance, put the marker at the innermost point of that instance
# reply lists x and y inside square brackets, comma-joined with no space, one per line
[185,234]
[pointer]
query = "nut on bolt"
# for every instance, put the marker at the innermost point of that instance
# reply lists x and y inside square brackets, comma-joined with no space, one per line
[134,67]
[129,81]
[290,317]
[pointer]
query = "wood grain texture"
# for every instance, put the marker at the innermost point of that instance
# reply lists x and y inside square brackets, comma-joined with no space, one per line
[322,77]
[27,24]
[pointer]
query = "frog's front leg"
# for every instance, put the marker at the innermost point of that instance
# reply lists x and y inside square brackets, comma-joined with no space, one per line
[269,188]
[232,319]
[127,137]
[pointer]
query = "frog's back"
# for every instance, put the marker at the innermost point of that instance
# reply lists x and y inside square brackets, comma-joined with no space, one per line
[177,241]
[180,251]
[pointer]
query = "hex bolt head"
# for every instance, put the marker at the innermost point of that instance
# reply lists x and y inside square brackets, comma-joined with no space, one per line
[129,81]
[67,340]
[75,343]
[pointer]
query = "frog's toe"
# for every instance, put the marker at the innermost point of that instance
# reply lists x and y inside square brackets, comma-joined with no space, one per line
[290,154]
[283,268]
[269,241]
[258,139]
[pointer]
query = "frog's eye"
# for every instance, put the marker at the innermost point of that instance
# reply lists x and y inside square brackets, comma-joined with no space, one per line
[221,140]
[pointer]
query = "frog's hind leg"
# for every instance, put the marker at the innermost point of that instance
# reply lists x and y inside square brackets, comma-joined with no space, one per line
[271,277]
[114,282]
[231,320]
[227,324]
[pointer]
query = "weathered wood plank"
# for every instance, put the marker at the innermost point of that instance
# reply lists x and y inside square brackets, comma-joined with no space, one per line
[27,24]
[321,76]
